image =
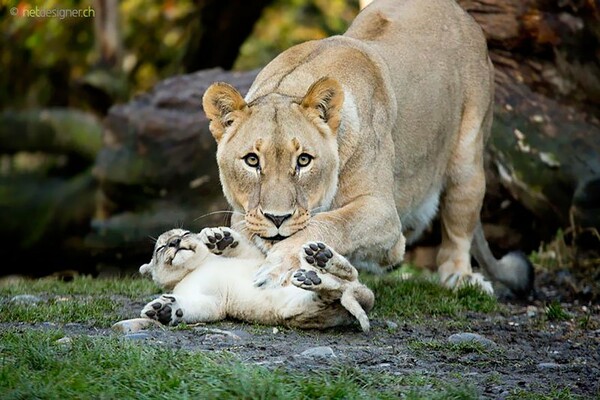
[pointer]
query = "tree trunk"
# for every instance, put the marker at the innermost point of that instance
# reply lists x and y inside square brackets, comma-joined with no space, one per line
[219,31]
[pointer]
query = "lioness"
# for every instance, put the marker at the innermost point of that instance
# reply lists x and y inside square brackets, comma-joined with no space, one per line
[355,139]
[210,275]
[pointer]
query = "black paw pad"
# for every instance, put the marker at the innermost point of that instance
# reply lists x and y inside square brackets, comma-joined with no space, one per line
[179,313]
[224,242]
[164,315]
[318,253]
[307,278]
[221,241]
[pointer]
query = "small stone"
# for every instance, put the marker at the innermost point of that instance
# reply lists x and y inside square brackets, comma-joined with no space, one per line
[134,325]
[137,336]
[25,299]
[532,311]
[467,337]
[64,340]
[275,331]
[322,351]
[212,334]
[548,365]
[391,325]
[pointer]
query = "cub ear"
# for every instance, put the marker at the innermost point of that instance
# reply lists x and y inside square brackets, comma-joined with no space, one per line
[326,97]
[145,268]
[219,102]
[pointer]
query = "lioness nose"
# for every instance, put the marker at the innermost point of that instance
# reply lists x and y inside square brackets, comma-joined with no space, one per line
[277,219]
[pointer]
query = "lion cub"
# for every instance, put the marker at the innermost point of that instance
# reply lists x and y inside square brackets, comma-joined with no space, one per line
[211,274]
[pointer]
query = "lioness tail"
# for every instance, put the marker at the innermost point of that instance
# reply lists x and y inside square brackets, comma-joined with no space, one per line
[514,270]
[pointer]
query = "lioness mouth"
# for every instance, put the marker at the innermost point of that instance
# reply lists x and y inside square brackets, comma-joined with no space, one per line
[274,238]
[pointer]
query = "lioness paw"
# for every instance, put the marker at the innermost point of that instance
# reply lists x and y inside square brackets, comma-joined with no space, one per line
[165,310]
[456,280]
[220,241]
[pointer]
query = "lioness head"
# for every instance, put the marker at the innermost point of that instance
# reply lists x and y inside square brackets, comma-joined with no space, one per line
[176,253]
[277,155]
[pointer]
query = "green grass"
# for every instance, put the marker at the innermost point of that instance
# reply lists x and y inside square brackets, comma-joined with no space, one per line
[126,286]
[34,365]
[95,302]
[422,297]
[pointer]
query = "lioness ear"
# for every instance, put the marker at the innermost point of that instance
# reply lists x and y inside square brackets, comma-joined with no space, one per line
[326,97]
[219,102]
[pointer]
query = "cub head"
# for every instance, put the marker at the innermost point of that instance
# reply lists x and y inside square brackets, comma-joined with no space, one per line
[176,253]
[277,155]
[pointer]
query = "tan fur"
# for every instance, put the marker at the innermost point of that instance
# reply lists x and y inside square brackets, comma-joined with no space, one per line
[395,113]
[210,281]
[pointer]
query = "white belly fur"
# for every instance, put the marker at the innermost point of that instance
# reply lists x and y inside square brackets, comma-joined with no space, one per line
[417,220]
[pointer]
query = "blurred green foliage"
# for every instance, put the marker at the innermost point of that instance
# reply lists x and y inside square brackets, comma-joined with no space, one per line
[289,22]
[45,61]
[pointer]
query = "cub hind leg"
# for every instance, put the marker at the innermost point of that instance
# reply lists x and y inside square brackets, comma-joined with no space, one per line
[329,274]
[461,203]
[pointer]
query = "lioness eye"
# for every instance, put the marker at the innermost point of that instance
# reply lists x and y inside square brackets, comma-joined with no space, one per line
[252,160]
[304,159]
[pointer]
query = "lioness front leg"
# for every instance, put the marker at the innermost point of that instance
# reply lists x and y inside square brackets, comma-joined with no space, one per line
[377,240]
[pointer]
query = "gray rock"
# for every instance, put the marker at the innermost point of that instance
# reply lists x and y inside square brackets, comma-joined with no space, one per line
[391,325]
[214,333]
[548,365]
[467,337]
[134,325]
[322,351]
[137,336]
[26,299]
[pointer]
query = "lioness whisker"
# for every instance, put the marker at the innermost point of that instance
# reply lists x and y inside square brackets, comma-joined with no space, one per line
[217,212]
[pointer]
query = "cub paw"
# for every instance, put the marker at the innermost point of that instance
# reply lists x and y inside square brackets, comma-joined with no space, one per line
[220,241]
[304,279]
[165,310]
[456,280]
[317,254]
